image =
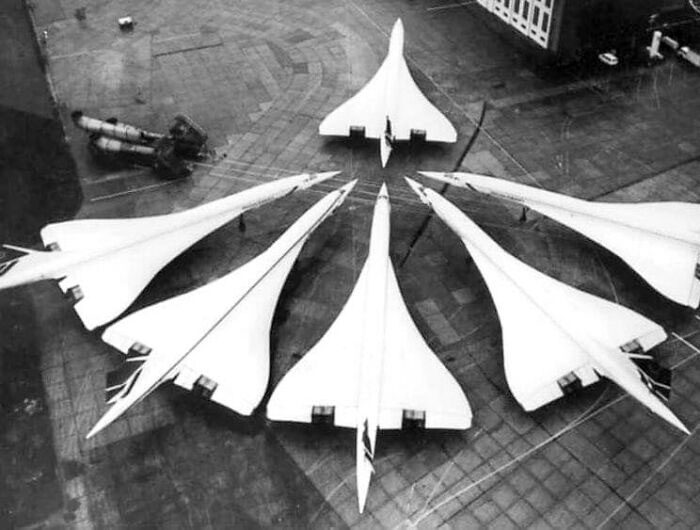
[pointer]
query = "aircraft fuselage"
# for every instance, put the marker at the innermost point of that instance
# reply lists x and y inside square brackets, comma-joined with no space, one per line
[372,358]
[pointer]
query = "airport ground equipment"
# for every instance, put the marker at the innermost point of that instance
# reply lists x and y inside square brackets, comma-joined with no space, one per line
[112,141]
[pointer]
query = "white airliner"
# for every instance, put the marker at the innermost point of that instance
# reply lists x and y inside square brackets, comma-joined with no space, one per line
[103,264]
[659,240]
[390,107]
[372,369]
[214,340]
[557,338]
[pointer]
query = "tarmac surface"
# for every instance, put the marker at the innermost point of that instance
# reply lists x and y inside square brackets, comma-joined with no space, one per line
[260,76]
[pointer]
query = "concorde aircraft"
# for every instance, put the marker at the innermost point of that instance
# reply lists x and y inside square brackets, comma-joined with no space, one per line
[390,107]
[659,240]
[214,340]
[372,369]
[557,338]
[103,264]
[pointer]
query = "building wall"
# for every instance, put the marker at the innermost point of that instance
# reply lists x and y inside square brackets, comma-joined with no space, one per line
[574,28]
[532,18]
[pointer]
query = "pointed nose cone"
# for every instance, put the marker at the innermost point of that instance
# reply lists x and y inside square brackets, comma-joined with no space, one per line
[397,29]
[315,178]
[396,39]
[482,184]
[418,189]
[457,179]
[104,421]
[435,175]
[341,194]
[383,192]
[347,188]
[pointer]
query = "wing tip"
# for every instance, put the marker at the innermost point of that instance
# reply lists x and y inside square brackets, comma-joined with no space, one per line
[90,319]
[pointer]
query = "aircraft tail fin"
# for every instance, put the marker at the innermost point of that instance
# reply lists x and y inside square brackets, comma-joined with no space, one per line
[130,390]
[385,147]
[364,466]
[653,375]
[657,378]
[118,381]
[16,264]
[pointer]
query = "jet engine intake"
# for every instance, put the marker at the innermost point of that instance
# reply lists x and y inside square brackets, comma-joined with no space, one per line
[570,383]
[418,135]
[323,415]
[204,387]
[357,132]
[74,294]
[413,419]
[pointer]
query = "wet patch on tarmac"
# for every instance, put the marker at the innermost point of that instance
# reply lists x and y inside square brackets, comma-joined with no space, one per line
[234,473]
[38,181]
[38,185]
[29,491]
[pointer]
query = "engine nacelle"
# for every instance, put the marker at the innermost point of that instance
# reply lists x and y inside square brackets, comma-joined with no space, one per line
[570,383]
[418,135]
[413,419]
[357,132]
[323,415]
[74,294]
[204,387]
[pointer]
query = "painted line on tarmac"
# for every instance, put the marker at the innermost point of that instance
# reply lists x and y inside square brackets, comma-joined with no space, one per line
[691,346]
[639,488]
[587,415]
[451,6]
[129,192]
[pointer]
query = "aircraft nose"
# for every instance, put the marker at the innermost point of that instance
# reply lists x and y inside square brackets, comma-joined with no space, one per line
[315,178]
[418,189]
[347,188]
[383,192]
[432,174]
